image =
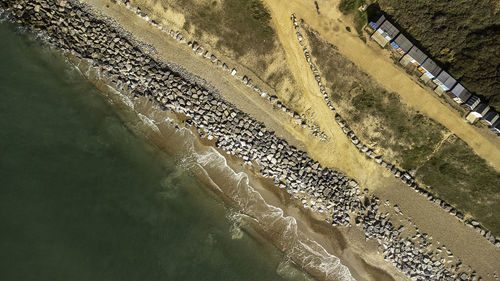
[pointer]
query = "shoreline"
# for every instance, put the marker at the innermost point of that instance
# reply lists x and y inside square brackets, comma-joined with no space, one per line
[165,138]
[313,225]
[343,219]
[332,240]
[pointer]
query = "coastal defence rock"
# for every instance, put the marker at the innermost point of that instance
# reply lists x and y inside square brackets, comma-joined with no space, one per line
[132,66]
[308,123]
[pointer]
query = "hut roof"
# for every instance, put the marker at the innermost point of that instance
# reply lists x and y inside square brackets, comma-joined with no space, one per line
[417,55]
[380,21]
[460,92]
[390,29]
[490,115]
[473,101]
[403,42]
[431,67]
[481,108]
[496,125]
[446,79]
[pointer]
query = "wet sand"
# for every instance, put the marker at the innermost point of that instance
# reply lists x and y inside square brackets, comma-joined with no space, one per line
[363,262]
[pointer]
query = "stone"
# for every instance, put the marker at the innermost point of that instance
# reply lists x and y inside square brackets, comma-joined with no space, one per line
[235,132]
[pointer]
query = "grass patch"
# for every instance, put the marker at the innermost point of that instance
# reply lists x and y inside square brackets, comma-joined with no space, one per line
[454,172]
[349,6]
[276,77]
[376,115]
[464,179]
[241,26]
[402,130]
[360,20]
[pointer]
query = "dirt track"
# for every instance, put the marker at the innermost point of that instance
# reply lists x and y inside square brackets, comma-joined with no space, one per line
[372,61]
[342,154]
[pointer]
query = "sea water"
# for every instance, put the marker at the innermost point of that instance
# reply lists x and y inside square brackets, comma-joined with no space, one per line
[84,197]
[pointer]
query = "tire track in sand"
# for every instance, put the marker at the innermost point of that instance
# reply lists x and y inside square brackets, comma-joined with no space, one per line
[381,68]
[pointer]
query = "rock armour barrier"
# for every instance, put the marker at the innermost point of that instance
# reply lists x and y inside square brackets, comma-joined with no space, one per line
[197,48]
[132,66]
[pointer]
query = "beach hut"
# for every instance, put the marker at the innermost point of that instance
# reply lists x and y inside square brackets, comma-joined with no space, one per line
[480,110]
[414,56]
[496,127]
[377,23]
[490,117]
[477,112]
[472,102]
[459,94]
[445,81]
[401,44]
[429,68]
[385,33]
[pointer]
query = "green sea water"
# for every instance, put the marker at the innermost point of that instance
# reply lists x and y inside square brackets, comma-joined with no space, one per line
[83,198]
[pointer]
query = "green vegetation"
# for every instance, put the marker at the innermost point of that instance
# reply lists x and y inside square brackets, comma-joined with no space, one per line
[395,119]
[360,18]
[462,35]
[349,6]
[456,173]
[407,134]
[451,169]
[241,26]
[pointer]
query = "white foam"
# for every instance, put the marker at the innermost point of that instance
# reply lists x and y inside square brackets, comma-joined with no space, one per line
[149,122]
[124,98]
[305,252]
[235,219]
[309,254]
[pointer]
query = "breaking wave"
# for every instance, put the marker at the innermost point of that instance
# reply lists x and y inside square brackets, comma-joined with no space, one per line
[281,229]
[236,221]
[149,122]
[124,98]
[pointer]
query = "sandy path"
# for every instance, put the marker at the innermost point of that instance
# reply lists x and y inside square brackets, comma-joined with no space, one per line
[337,153]
[469,246]
[172,51]
[370,60]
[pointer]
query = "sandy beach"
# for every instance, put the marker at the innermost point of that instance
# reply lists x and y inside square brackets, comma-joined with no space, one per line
[348,244]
